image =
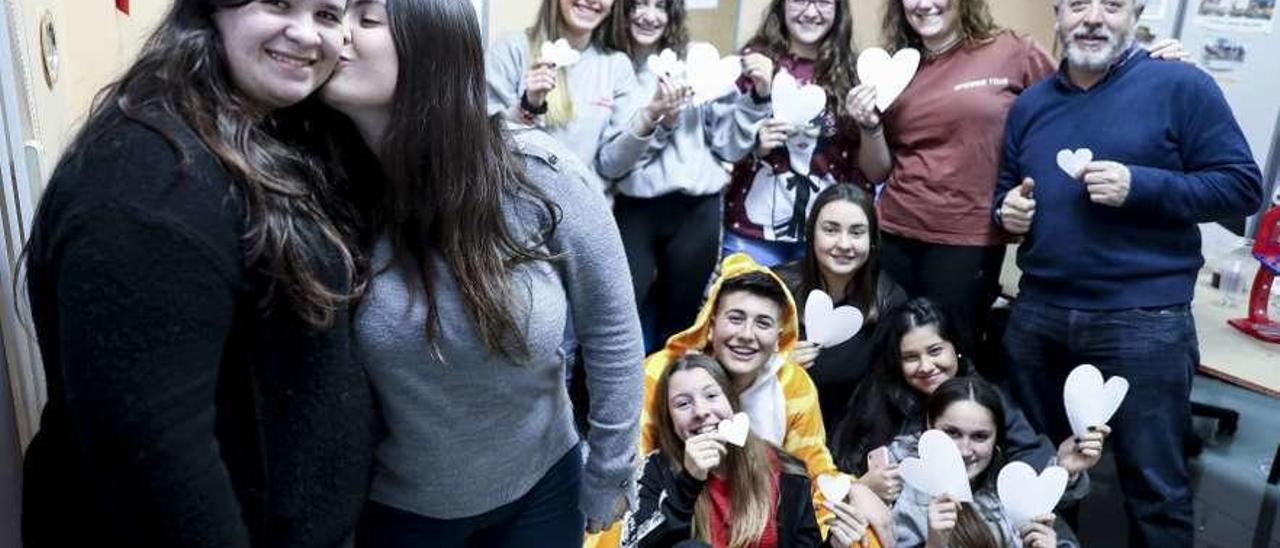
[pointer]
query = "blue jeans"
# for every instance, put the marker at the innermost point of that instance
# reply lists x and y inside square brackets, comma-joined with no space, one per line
[765,252]
[547,515]
[1156,350]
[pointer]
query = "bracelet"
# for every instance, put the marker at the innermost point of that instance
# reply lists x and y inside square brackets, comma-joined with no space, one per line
[529,108]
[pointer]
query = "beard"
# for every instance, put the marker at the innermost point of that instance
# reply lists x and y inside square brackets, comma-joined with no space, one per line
[1099,60]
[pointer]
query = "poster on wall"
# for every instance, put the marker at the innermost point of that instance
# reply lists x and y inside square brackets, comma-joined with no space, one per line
[1251,16]
[701,4]
[1155,10]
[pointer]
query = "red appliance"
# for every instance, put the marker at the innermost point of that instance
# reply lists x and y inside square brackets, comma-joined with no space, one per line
[1266,249]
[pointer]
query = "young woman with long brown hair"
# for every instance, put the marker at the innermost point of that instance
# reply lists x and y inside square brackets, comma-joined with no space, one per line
[488,241]
[189,271]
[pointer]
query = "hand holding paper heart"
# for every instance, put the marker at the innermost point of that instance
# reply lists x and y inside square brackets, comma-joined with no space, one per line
[1107,182]
[1025,495]
[889,75]
[939,470]
[1089,401]
[735,429]
[883,477]
[795,104]
[826,325]
[708,74]
[1079,453]
[666,65]
[834,487]
[559,53]
[703,453]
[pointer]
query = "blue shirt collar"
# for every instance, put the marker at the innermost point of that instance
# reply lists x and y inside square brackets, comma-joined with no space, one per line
[1064,79]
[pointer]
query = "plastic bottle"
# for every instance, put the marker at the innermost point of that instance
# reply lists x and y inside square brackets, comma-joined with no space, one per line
[1233,273]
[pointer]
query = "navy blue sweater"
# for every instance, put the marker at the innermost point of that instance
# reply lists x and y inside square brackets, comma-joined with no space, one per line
[1170,124]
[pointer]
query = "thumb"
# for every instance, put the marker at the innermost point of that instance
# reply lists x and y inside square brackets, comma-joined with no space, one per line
[1027,187]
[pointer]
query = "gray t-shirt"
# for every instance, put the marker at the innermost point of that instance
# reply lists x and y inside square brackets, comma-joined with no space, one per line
[474,430]
[599,85]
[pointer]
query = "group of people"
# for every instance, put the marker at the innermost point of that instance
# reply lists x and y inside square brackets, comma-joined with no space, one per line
[320,272]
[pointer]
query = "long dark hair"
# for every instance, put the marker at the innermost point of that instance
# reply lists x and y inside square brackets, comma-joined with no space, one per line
[290,204]
[862,290]
[976,24]
[617,30]
[884,402]
[971,531]
[833,69]
[749,470]
[450,169]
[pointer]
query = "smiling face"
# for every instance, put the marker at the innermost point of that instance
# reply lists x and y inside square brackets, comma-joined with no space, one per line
[808,21]
[367,70]
[647,21]
[1095,33]
[696,403]
[744,334]
[973,428]
[928,360]
[583,16]
[936,21]
[280,52]
[841,239]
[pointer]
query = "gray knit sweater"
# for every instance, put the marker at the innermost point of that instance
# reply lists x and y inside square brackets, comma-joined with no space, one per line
[477,431]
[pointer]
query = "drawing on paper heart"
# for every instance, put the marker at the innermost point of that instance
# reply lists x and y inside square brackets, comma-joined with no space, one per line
[666,65]
[834,487]
[1089,401]
[939,470]
[1026,495]
[735,429]
[560,53]
[889,75]
[708,74]
[827,326]
[1073,162]
[796,104]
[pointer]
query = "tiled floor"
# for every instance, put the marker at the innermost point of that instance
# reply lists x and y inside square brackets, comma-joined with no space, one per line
[1233,510]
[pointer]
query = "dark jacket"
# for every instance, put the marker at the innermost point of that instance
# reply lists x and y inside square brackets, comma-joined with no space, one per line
[839,369]
[185,408]
[664,516]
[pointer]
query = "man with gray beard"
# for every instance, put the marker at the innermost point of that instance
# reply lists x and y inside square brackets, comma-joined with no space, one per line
[1107,169]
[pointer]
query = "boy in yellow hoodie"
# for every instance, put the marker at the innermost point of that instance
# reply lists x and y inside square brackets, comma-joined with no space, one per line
[749,325]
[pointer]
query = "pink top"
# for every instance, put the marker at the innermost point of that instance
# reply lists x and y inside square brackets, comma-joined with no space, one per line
[945,133]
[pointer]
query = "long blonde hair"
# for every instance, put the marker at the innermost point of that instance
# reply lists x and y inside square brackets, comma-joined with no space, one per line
[751,471]
[547,29]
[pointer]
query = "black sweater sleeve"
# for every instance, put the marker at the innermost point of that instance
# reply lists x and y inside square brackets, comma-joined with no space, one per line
[664,515]
[143,315]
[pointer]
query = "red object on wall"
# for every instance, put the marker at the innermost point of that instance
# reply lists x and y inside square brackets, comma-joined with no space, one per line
[123,6]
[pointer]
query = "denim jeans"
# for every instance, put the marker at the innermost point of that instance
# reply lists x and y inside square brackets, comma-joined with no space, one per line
[1156,350]
[547,515]
[765,252]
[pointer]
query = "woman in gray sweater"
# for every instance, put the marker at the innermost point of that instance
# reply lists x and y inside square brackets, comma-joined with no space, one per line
[489,241]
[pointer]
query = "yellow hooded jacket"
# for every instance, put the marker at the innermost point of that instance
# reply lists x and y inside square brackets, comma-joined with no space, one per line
[803,435]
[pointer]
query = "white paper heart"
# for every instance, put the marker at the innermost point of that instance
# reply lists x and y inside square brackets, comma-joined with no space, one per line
[834,487]
[1088,400]
[735,429]
[889,75]
[708,74]
[939,470]
[796,104]
[666,65]
[560,53]
[826,326]
[1073,162]
[1026,495]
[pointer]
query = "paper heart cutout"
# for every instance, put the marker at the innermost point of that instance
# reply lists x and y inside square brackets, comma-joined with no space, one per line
[1073,162]
[708,74]
[796,104]
[735,429]
[666,65]
[1088,400]
[939,470]
[826,326]
[560,53]
[889,75]
[1026,495]
[834,487]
